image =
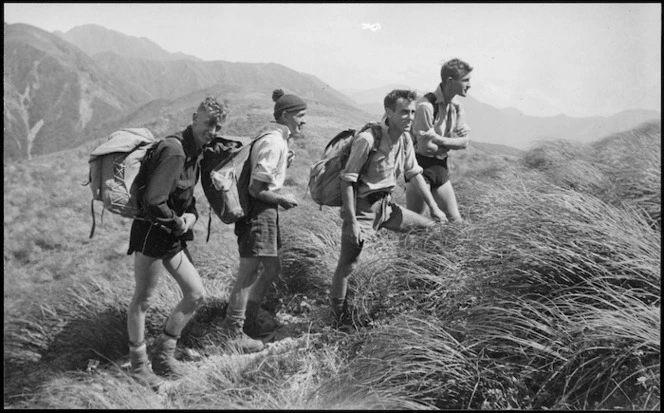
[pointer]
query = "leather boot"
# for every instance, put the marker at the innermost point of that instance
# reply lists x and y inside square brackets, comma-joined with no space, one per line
[257,324]
[163,358]
[233,337]
[140,370]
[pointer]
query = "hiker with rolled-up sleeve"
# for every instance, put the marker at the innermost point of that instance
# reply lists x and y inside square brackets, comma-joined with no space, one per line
[366,191]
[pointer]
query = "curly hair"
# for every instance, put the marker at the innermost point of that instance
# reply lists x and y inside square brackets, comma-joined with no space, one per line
[214,109]
[390,100]
[454,68]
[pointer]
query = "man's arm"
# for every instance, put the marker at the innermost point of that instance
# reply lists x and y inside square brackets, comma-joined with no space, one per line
[258,190]
[351,228]
[454,143]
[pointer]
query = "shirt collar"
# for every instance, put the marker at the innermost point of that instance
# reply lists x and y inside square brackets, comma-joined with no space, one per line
[440,97]
[189,144]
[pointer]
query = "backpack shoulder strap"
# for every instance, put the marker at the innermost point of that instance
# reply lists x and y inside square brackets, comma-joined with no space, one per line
[377,132]
[431,97]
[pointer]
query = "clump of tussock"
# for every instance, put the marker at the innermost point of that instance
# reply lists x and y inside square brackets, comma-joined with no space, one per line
[623,169]
[410,355]
[545,238]
[586,348]
[633,162]
[310,248]
[568,165]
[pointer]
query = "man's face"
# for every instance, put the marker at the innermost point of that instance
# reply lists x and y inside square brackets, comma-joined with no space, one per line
[295,122]
[204,127]
[460,86]
[403,114]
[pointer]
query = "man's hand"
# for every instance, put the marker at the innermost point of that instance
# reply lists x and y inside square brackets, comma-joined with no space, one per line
[438,215]
[287,201]
[188,221]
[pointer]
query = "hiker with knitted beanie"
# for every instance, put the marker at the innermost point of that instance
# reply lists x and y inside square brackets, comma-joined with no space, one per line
[159,239]
[258,234]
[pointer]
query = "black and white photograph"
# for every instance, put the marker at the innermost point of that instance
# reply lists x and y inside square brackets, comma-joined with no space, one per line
[332,206]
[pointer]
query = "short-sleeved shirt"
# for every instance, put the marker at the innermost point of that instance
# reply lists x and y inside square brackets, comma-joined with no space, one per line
[449,122]
[393,158]
[269,156]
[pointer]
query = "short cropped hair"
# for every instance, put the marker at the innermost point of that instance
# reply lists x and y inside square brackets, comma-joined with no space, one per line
[454,68]
[214,109]
[390,100]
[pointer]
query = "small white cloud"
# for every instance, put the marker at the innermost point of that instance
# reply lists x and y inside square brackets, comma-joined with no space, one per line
[371,26]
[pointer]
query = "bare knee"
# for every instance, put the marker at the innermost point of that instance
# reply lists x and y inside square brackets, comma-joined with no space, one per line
[196,297]
[142,301]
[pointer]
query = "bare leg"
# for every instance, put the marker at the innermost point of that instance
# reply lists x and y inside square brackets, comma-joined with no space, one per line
[414,200]
[271,270]
[347,260]
[446,200]
[246,277]
[146,273]
[193,292]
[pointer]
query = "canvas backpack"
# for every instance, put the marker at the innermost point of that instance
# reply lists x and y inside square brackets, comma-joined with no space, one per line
[115,174]
[226,173]
[324,177]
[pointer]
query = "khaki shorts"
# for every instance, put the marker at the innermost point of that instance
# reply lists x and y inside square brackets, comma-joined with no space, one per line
[258,235]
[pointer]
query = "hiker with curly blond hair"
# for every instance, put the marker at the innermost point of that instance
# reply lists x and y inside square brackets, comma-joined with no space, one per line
[440,127]
[159,239]
[258,234]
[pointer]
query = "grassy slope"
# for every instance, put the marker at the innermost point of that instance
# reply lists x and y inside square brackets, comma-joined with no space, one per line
[548,297]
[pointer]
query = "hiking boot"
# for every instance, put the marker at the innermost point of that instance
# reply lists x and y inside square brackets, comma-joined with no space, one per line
[260,325]
[163,359]
[232,336]
[140,371]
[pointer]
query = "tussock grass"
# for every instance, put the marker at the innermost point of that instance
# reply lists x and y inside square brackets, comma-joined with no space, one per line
[547,297]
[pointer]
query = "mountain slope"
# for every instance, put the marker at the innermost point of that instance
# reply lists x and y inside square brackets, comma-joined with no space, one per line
[93,39]
[54,93]
[170,79]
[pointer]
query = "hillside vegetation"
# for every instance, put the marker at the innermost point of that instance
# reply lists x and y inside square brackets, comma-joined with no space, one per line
[548,297]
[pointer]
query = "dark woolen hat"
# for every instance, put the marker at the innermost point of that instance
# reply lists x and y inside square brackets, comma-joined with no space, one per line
[286,103]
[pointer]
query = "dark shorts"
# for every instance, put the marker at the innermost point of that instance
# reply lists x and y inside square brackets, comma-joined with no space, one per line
[259,235]
[154,241]
[435,172]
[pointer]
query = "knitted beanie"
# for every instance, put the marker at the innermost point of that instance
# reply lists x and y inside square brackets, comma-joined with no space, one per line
[286,103]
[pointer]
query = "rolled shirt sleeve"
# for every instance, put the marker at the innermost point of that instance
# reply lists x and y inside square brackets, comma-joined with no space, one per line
[423,122]
[269,161]
[359,153]
[410,165]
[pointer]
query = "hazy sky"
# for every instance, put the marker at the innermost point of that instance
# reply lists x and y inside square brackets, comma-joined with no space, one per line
[543,59]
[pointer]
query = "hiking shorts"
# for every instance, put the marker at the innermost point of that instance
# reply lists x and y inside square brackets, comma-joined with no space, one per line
[258,235]
[155,241]
[436,173]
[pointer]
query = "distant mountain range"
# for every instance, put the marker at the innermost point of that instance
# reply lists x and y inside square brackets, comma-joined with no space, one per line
[511,127]
[65,89]
[57,96]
